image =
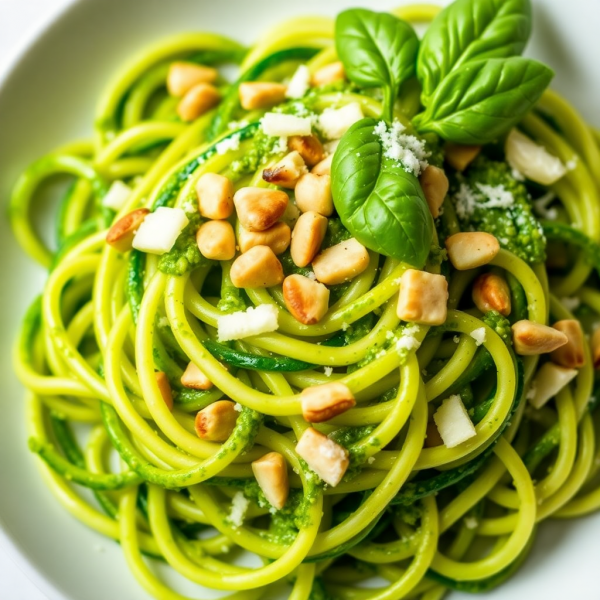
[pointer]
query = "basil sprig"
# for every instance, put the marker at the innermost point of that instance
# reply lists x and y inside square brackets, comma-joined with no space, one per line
[378,50]
[470,30]
[481,100]
[381,204]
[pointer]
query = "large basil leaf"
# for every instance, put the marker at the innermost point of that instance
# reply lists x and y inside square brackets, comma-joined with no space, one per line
[381,205]
[377,49]
[481,100]
[471,30]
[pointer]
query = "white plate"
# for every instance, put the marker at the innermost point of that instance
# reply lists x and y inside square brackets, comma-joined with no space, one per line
[48,98]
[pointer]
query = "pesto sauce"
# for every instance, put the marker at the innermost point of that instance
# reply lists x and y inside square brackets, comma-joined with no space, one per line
[184,255]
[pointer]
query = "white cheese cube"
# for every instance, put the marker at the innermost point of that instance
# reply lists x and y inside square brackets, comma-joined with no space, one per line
[453,422]
[160,230]
[117,195]
[246,323]
[279,125]
[533,160]
[299,83]
[550,379]
[334,122]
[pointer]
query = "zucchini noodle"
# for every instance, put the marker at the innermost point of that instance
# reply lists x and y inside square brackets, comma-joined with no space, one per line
[422,517]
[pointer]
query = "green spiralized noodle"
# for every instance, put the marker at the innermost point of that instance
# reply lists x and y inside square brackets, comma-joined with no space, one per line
[408,512]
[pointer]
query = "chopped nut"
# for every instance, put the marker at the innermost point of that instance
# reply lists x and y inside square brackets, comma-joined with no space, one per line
[200,99]
[435,187]
[120,235]
[531,338]
[460,156]
[287,171]
[261,94]
[307,300]
[549,380]
[491,292]
[216,240]
[257,268]
[309,147]
[341,262]
[259,208]
[313,192]
[216,422]
[432,436]
[195,379]
[324,167]
[326,458]
[165,388]
[183,76]
[307,237]
[276,237]
[272,478]
[423,297]
[215,196]
[596,348]
[329,73]
[323,402]
[572,354]
[470,250]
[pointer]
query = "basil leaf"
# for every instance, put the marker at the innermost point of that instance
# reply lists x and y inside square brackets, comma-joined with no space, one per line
[381,204]
[482,100]
[377,49]
[471,30]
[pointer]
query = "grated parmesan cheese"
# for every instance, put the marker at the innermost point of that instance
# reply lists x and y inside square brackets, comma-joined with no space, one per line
[328,371]
[407,341]
[239,507]
[299,83]
[228,144]
[486,196]
[246,323]
[238,407]
[408,150]
[334,122]
[478,335]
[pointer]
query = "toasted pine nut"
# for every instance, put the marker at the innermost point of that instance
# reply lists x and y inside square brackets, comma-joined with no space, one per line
[183,76]
[326,458]
[423,297]
[215,196]
[323,402]
[572,354]
[306,299]
[309,147]
[459,156]
[329,73]
[435,187]
[324,167]
[261,94]
[200,99]
[120,235]
[287,171]
[276,237]
[165,388]
[432,435]
[307,237]
[549,380]
[491,292]
[470,250]
[596,348]
[341,262]
[195,379]
[256,268]
[531,338]
[216,422]
[313,192]
[259,208]
[272,478]
[216,240]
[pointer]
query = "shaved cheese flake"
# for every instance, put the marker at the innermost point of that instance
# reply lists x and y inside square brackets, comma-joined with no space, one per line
[478,335]
[117,195]
[246,323]
[280,125]
[160,230]
[453,422]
